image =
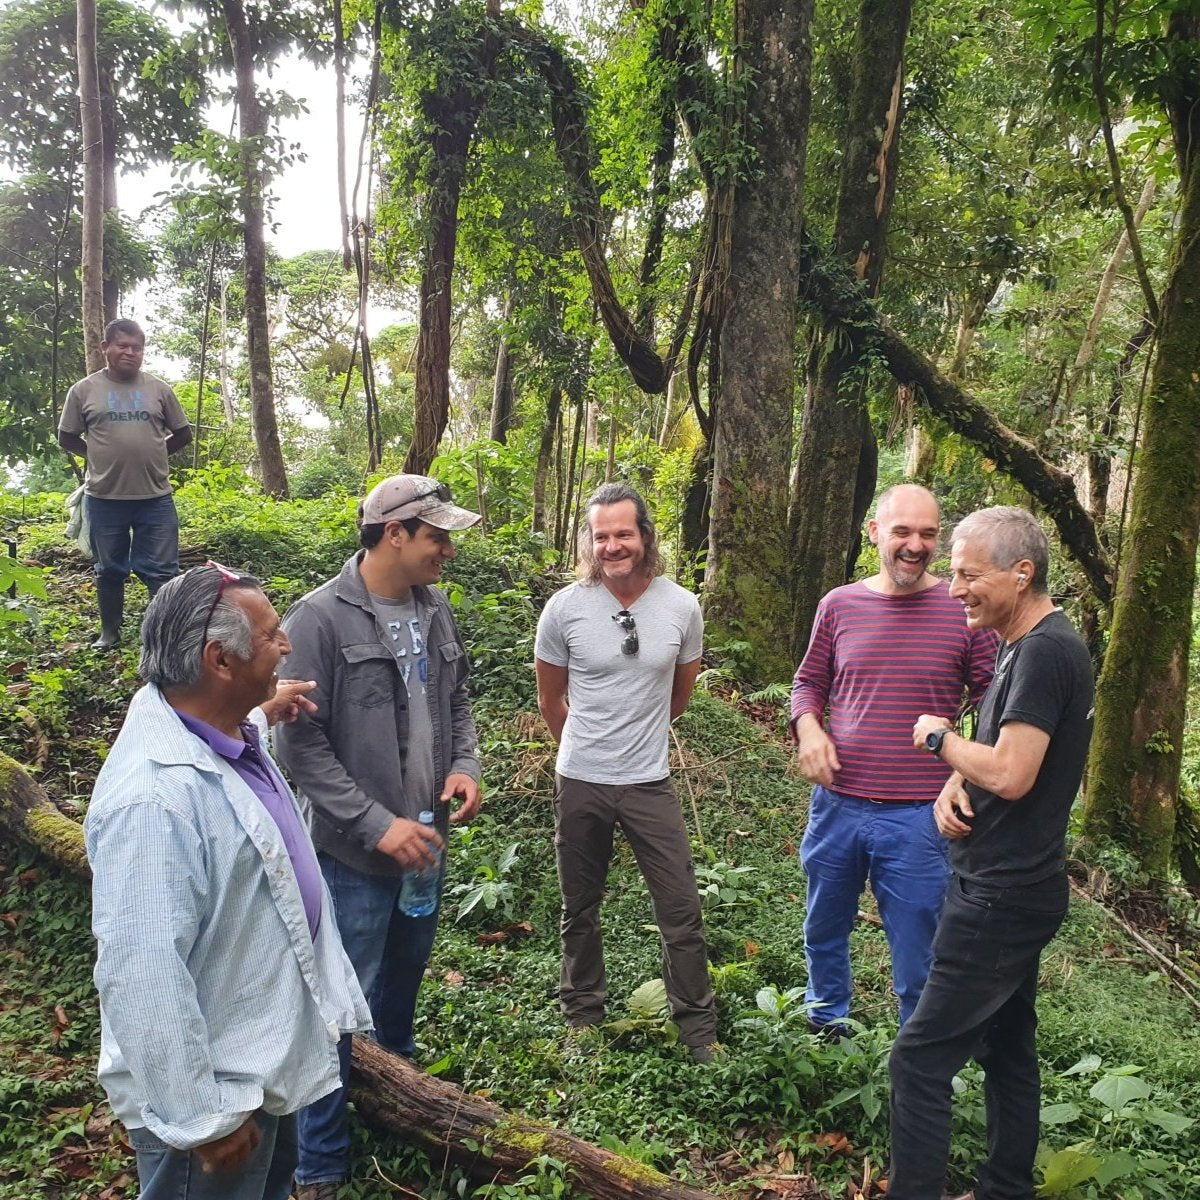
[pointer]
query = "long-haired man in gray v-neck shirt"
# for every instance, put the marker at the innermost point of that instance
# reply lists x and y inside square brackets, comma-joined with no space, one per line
[617,655]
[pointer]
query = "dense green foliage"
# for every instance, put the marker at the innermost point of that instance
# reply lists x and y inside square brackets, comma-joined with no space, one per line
[1117,1090]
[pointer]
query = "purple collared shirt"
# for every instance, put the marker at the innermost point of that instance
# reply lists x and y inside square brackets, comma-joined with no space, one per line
[247,759]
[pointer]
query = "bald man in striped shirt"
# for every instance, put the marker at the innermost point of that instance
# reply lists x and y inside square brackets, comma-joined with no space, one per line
[883,651]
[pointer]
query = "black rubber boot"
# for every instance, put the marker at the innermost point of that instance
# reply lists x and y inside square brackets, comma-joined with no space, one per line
[110,596]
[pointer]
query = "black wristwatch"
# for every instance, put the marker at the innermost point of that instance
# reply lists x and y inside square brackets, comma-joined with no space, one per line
[934,740]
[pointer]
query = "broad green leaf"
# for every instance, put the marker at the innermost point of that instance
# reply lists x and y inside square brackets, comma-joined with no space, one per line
[442,1065]
[768,1000]
[1172,1122]
[1113,1166]
[1085,1066]
[30,581]
[1059,1114]
[1119,1091]
[650,999]
[1067,1169]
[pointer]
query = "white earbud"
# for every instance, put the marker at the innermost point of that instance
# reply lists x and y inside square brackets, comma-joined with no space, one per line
[1021,577]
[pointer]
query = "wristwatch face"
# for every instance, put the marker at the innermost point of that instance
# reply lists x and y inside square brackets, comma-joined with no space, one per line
[933,741]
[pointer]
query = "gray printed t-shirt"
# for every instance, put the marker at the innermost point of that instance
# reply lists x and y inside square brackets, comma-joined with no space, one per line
[619,705]
[126,426]
[403,634]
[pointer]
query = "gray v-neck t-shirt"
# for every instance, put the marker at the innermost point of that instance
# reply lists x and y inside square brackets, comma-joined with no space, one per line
[618,705]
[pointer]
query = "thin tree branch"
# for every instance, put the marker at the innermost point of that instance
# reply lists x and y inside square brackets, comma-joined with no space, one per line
[1114,165]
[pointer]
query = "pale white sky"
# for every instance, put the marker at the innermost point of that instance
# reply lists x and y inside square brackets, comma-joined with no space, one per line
[305,204]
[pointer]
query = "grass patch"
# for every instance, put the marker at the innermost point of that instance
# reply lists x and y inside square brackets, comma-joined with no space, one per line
[488,1017]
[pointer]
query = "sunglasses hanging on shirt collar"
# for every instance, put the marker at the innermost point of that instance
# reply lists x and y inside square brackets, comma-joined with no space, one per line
[624,618]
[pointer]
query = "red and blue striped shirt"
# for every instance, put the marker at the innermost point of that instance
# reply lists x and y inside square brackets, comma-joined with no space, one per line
[875,663]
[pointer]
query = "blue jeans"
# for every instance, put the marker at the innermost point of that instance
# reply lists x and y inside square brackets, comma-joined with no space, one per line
[389,952]
[141,536]
[898,848]
[979,1002]
[166,1174]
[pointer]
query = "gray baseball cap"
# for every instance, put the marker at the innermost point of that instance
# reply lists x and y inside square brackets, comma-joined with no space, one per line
[405,496]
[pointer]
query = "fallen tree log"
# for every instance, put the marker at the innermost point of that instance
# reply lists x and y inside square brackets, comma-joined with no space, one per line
[28,815]
[487,1141]
[481,1137]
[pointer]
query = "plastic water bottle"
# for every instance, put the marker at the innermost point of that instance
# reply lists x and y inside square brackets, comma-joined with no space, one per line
[419,889]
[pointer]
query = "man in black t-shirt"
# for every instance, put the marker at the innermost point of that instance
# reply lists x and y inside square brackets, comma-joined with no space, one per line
[1005,812]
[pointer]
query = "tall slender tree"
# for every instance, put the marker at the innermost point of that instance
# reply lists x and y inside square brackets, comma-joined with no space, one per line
[252,131]
[91,263]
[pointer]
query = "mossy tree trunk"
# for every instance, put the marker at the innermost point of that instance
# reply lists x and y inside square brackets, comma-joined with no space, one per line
[835,470]
[1136,753]
[747,591]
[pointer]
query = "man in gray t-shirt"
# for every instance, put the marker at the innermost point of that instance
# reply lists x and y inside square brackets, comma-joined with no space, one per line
[126,424]
[617,656]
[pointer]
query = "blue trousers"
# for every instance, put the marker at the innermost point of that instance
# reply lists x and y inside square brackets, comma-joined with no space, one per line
[141,536]
[897,848]
[166,1174]
[389,952]
[978,1003]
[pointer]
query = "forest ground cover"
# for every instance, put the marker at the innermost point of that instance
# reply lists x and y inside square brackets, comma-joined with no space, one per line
[781,1113]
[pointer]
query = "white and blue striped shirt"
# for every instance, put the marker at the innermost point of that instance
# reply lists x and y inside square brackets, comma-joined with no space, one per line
[215,1001]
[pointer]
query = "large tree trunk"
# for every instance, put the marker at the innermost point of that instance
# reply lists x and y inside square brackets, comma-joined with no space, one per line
[432,407]
[573,146]
[450,117]
[483,1138]
[1136,753]
[748,586]
[92,258]
[253,129]
[834,478]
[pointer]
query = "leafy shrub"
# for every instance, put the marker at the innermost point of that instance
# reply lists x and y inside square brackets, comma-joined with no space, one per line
[325,474]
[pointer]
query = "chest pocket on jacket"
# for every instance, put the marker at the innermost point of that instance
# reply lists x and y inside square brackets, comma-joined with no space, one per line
[370,674]
[453,662]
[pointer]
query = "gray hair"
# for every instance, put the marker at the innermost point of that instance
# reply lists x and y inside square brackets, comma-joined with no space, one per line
[173,635]
[588,568]
[1008,535]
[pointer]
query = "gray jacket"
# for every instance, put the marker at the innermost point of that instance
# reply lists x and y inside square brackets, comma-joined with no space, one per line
[347,760]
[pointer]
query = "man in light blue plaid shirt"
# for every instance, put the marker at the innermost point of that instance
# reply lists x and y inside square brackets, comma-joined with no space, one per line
[224,988]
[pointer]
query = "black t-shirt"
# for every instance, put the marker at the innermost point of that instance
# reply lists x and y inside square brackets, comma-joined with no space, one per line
[1043,679]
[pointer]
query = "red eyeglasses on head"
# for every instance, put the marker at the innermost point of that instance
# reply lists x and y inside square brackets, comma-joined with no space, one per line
[227,577]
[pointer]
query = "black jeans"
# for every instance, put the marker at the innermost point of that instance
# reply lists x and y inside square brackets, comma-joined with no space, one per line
[978,1002]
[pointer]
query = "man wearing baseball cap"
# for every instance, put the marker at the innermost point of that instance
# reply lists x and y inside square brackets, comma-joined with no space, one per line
[392,736]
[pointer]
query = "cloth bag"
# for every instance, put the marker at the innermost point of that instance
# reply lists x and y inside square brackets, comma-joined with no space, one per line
[78,529]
